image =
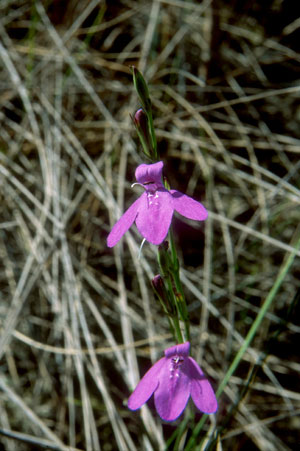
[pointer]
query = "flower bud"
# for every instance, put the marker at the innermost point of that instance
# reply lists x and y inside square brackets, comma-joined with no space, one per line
[158,285]
[161,292]
[140,121]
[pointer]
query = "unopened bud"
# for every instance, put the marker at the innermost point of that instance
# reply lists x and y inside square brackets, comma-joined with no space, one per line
[141,122]
[158,285]
[161,291]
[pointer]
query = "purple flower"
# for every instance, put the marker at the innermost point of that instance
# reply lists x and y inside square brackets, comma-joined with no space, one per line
[153,210]
[173,379]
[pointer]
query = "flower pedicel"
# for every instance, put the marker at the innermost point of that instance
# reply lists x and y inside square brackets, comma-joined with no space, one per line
[153,210]
[173,379]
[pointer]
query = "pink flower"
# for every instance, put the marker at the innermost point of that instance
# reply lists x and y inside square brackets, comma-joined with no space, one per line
[173,379]
[153,210]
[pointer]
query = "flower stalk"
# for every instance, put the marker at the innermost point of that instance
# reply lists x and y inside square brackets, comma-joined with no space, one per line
[143,93]
[169,267]
[176,377]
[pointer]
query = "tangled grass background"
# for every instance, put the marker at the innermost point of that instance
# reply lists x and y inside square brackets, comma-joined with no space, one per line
[78,321]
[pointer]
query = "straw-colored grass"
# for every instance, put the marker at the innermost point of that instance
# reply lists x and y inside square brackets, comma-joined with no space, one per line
[79,323]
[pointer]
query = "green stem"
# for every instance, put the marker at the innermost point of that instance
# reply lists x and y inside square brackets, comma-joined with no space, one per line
[183,311]
[152,134]
[177,434]
[175,311]
[165,309]
[176,325]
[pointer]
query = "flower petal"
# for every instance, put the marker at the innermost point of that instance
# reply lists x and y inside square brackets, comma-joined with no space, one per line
[182,349]
[201,391]
[172,393]
[146,173]
[188,207]
[146,386]
[155,215]
[123,223]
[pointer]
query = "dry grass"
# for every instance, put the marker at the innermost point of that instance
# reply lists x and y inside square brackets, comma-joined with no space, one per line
[78,321]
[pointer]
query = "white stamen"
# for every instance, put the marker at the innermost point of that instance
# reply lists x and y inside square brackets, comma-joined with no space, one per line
[141,247]
[137,183]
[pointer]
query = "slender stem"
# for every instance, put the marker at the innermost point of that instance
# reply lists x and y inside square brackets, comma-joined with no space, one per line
[181,304]
[152,133]
[265,307]
[165,309]
[176,312]
[177,434]
[177,329]
[173,248]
